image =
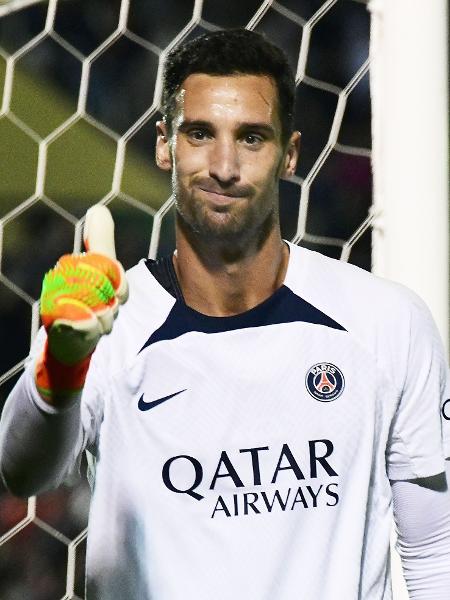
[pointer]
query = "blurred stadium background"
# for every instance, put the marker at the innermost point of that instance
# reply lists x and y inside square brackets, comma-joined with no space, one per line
[42,204]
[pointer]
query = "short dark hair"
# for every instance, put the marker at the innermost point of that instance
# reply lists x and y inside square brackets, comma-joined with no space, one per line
[230,52]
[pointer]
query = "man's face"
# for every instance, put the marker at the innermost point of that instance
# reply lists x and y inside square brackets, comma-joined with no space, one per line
[225,154]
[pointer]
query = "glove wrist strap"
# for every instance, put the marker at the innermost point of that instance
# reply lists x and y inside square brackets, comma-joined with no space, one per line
[54,378]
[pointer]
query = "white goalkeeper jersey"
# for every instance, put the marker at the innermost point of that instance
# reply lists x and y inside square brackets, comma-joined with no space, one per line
[249,457]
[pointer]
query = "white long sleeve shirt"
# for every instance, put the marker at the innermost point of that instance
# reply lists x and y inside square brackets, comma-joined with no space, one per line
[252,456]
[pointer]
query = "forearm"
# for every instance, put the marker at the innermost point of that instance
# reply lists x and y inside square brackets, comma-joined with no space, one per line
[422,516]
[39,445]
[43,433]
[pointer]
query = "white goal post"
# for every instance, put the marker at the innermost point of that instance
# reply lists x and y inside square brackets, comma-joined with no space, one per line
[409,70]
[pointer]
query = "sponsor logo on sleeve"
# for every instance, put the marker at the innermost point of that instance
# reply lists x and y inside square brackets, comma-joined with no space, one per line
[325,382]
[446,410]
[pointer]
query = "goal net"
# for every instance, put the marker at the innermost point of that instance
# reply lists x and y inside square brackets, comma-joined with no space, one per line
[80,94]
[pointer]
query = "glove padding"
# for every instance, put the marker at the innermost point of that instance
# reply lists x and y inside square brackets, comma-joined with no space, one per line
[79,301]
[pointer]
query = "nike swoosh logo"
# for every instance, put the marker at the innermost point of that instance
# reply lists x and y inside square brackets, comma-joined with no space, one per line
[142,405]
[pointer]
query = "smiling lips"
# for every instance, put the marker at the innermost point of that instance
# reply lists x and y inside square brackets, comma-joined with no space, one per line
[221,196]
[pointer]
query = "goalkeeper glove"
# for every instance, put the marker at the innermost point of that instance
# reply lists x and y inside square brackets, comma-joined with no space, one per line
[79,301]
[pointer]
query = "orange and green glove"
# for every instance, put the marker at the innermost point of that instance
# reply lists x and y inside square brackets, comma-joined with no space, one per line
[79,301]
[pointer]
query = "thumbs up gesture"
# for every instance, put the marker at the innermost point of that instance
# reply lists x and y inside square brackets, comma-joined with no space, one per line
[79,301]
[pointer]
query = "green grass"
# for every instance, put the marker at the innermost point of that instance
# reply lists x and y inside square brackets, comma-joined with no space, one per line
[80,162]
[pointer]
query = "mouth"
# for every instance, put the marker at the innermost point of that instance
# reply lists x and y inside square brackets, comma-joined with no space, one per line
[220,197]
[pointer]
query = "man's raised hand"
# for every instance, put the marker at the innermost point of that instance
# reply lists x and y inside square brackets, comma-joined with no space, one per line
[79,301]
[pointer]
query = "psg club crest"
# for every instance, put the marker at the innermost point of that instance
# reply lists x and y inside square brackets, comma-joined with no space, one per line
[325,382]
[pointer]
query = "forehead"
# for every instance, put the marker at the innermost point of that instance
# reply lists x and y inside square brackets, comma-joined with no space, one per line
[247,97]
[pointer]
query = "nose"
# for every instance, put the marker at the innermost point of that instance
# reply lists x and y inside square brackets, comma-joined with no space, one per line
[224,161]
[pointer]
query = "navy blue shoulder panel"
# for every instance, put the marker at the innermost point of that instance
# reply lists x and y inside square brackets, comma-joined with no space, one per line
[282,307]
[163,271]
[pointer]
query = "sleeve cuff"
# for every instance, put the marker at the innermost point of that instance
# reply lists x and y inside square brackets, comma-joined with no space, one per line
[423,468]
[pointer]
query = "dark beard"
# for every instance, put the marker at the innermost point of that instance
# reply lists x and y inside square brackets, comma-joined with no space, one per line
[193,216]
[229,241]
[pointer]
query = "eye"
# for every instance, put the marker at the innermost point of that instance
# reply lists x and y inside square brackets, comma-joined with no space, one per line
[253,139]
[198,134]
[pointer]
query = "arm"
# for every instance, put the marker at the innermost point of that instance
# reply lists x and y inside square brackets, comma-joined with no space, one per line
[39,445]
[416,453]
[422,517]
[54,411]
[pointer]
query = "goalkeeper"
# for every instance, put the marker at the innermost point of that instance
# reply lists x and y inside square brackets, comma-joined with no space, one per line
[258,412]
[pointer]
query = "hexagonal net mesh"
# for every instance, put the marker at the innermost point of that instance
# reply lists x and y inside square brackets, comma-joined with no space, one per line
[81,93]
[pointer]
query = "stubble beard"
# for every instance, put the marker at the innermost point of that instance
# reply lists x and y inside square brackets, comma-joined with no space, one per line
[235,225]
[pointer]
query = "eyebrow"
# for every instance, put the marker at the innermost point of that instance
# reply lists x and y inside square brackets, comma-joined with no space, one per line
[243,126]
[193,123]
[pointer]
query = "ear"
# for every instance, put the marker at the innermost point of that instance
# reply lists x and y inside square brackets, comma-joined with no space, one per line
[163,157]
[291,156]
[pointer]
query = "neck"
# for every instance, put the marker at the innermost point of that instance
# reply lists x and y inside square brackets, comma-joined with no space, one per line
[220,279]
